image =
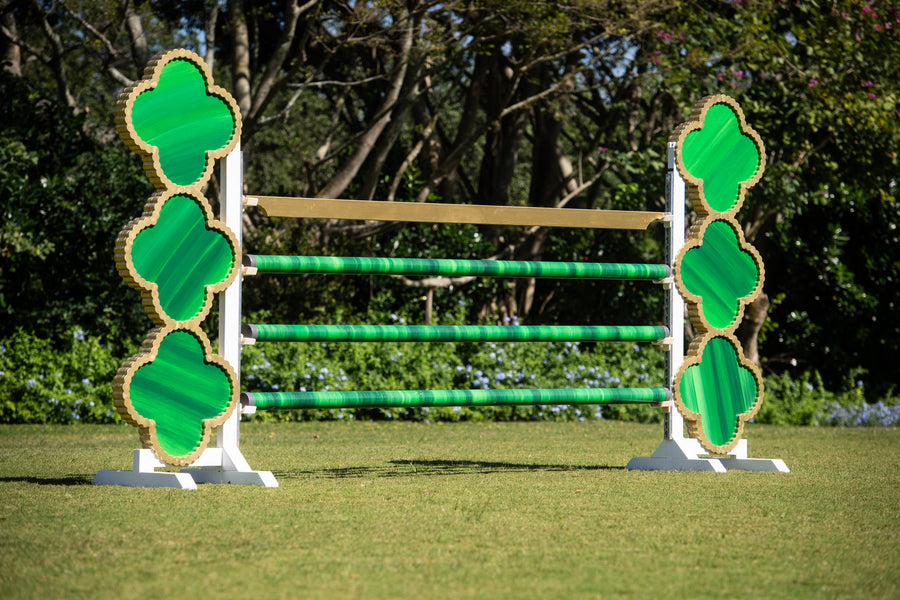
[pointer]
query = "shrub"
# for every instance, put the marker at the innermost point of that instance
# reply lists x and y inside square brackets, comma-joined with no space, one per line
[70,380]
[863,414]
[790,401]
[66,382]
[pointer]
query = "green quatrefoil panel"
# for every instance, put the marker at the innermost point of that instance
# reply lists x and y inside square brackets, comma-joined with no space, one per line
[178,120]
[177,394]
[723,390]
[178,257]
[720,275]
[720,155]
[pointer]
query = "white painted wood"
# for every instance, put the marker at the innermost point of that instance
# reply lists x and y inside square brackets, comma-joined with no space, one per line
[676,455]
[231,181]
[675,207]
[181,481]
[234,477]
[233,467]
[143,474]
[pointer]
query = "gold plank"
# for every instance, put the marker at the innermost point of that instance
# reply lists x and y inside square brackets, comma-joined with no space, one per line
[321,208]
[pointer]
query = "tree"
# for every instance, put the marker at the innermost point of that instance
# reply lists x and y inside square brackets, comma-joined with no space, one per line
[819,81]
[64,199]
[545,104]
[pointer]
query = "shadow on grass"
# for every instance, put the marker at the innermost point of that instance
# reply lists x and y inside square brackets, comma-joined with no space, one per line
[408,467]
[67,480]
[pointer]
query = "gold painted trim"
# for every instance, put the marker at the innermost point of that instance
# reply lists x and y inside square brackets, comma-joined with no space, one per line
[150,154]
[695,121]
[413,212]
[150,290]
[694,421]
[147,427]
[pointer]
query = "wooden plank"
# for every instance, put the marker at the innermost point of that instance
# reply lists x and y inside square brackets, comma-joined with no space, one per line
[413,212]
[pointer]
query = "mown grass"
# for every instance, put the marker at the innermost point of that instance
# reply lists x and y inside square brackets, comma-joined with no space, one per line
[487,510]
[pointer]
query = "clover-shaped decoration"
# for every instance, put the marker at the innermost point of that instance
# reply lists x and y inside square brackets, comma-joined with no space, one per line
[176,391]
[719,154]
[719,273]
[717,390]
[178,119]
[178,257]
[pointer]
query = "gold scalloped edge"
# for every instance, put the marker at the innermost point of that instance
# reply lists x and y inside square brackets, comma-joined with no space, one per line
[150,154]
[694,239]
[147,427]
[694,122]
[150,290]
[694,421]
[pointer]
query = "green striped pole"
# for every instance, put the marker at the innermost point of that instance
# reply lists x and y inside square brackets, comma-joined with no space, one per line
[439,398]
[451,333]
[452,268]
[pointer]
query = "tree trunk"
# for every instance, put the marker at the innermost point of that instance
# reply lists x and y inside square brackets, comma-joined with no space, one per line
[366,143]
[10,53]
[748,332]
[140,54]
[240,68]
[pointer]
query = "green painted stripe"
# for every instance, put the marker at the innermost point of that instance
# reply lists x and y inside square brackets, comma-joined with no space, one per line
[422,398]
[451,333]
[453,268]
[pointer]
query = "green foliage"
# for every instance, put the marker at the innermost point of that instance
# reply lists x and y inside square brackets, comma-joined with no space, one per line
[819,82]
[794,401]
[64,198]
[589,82]
[46,382]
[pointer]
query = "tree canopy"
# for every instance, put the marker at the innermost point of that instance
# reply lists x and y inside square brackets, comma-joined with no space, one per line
[474,101]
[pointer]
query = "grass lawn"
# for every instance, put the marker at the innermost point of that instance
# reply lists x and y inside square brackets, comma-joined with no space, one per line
[486,510]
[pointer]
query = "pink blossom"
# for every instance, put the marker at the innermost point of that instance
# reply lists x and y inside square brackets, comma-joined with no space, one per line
[868,83]
[739,74]
[813,83]
[602,150]
[878,27]
[872,96]
[664,35]
[866,9]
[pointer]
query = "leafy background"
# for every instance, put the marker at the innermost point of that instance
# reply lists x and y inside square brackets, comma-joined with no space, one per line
[474,102]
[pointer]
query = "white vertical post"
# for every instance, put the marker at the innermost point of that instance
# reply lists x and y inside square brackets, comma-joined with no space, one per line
[675,207]
[675,453]
[231,210]
[233,467]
